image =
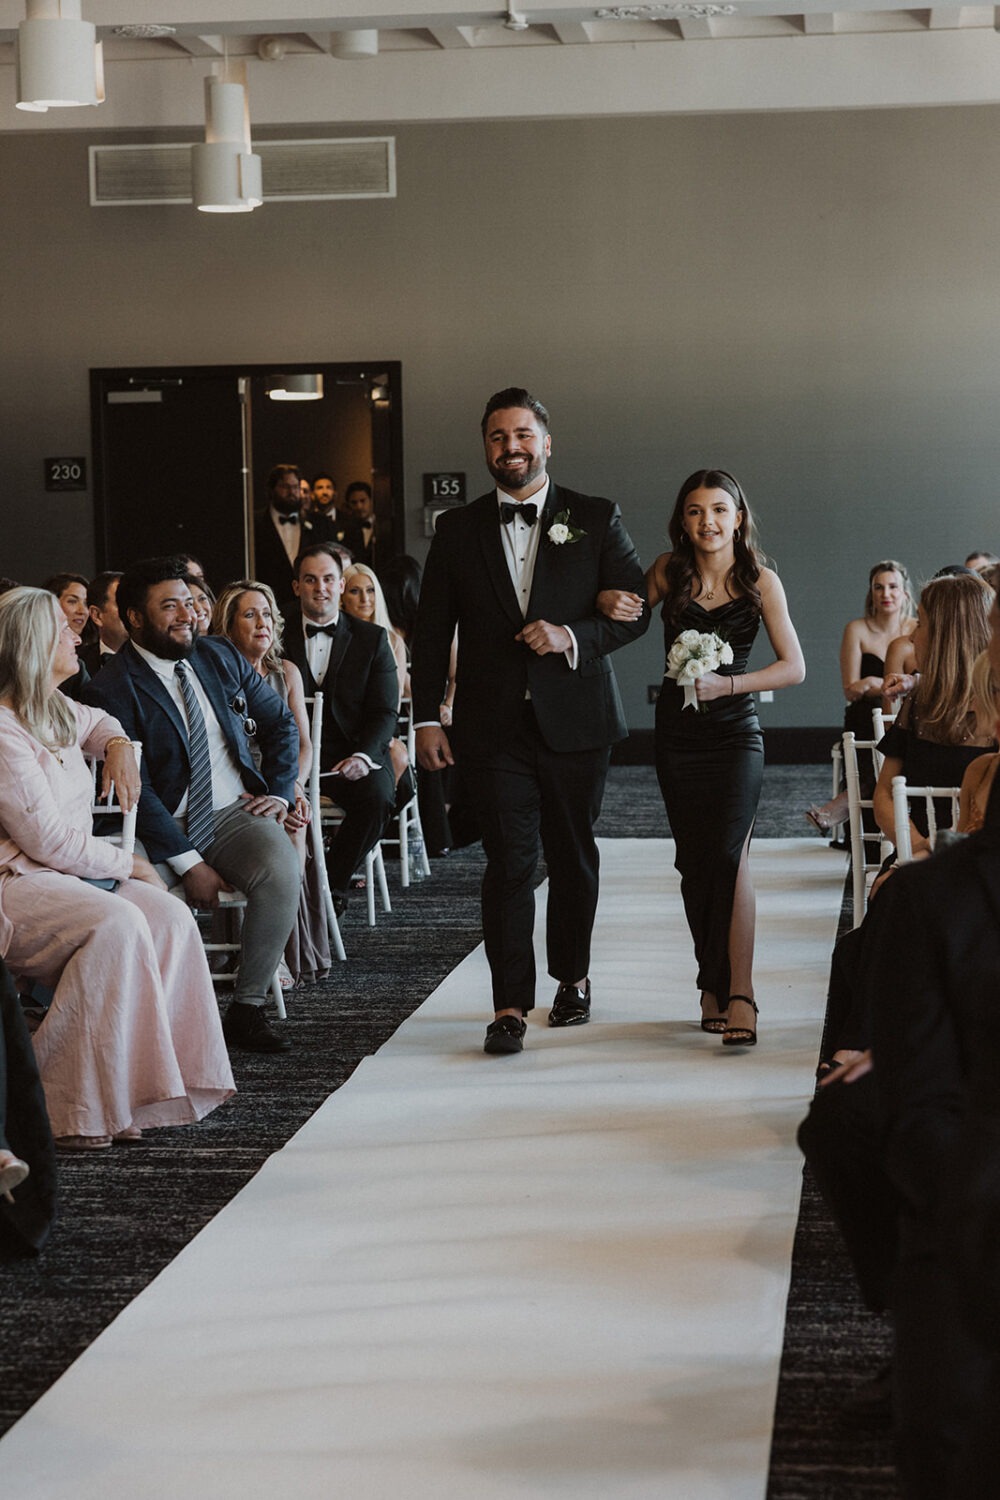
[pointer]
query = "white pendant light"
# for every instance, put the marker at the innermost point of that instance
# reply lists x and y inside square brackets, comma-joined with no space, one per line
[295,387]
[226,175]
[60,62]
[354,46]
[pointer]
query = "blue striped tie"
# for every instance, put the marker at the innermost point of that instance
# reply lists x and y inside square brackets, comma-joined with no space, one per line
[200,822]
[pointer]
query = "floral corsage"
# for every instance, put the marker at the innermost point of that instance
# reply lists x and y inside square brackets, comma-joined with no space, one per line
[693,654]
[561,531]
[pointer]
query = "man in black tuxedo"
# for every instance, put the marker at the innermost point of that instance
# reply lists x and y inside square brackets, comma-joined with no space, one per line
[372,543]
[350,661]
[325,522]
[102,606]
[536,705]
[206,815]
[277,533]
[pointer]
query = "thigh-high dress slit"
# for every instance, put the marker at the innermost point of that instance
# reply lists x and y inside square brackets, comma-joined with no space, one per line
[710,765]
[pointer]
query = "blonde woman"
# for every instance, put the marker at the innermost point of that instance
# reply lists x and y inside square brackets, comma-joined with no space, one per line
[364,600]
[132,1037]
[247,614]
[888,616]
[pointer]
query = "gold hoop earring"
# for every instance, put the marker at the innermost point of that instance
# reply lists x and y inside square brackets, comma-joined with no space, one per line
[736,534]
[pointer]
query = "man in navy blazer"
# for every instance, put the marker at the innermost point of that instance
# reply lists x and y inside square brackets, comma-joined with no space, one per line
[224,702]
[536,706]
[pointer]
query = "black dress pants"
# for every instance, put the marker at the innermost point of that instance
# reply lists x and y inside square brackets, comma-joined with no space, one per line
[528,795]
[368,805]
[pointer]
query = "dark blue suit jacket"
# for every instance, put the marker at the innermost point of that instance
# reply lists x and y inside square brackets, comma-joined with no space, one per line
[130,690]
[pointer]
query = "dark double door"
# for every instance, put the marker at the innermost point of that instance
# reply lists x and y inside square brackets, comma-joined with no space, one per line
[181,455]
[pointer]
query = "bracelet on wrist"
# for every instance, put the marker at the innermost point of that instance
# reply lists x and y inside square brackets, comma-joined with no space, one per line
[117,739]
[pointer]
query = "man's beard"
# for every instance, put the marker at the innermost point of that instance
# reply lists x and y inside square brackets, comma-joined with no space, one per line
[162,644]
[512,480]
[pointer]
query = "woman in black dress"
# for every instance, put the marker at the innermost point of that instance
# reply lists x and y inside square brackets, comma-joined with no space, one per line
[889,616]
[709,760]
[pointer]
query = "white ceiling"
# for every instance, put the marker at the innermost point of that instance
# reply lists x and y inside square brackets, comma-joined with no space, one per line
[464,59]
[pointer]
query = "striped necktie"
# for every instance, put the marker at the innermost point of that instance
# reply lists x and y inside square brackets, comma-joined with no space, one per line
[200,822]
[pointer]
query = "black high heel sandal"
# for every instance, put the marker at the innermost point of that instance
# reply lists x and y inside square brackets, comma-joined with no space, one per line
[716,1024]
[741,1036]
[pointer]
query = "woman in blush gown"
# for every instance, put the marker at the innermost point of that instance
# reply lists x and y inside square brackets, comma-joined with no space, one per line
[710,759]
[132,1037]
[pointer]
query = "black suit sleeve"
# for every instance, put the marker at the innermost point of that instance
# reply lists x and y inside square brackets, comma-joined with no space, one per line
[619,568]
[918,1067]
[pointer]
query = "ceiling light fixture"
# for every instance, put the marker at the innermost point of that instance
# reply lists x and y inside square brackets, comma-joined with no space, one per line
[226,175]
[354,46]
[60,62]
[295,387]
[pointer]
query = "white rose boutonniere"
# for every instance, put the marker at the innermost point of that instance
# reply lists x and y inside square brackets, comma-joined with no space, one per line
[562,530]
[692,655]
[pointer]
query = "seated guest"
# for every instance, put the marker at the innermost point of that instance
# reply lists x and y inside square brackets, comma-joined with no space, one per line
[102,606]
[132,1037]
[247,615]
[936,735]
[203,601]
[194,567]
[27,1160]
[207,815]
[71,591]
[363,600]
[350,662]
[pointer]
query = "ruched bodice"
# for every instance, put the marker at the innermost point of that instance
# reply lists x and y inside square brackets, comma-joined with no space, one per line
[736,622]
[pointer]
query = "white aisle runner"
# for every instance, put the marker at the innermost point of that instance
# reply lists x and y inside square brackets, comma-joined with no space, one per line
[471,1278]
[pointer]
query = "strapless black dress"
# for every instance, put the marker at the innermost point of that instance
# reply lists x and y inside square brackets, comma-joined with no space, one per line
[858,716]
[710,766]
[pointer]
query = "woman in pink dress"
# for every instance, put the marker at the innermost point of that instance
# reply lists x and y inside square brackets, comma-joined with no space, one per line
[132,1037]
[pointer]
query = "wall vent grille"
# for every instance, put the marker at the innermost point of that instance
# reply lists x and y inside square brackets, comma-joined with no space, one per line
[294,171]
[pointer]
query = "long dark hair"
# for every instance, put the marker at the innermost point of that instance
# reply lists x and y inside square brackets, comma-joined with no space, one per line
[681,572]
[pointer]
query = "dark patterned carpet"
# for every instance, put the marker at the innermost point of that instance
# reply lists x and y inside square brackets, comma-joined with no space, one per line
[127,1213]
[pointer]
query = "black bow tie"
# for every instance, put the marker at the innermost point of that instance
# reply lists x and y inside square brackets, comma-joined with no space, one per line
[312,630]
[292,520]
[528,512]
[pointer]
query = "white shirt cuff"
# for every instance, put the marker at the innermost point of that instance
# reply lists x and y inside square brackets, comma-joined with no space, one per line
[181,863]
[573,654]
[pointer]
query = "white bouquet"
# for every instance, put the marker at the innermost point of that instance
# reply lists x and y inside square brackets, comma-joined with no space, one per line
[694,653]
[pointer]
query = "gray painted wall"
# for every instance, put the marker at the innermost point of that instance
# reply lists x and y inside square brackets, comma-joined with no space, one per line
[806,299]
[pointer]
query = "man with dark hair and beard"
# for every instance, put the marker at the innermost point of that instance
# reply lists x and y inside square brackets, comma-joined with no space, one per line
[207,816]
[536,706]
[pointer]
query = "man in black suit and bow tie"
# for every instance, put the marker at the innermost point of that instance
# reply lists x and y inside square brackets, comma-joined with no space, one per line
[278,533]
[536,706]
[350,661]
[206,814]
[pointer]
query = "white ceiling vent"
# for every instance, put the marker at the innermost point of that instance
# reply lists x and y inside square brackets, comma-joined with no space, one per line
[294,171]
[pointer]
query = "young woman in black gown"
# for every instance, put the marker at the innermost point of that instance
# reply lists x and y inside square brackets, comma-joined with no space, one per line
[710,761]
